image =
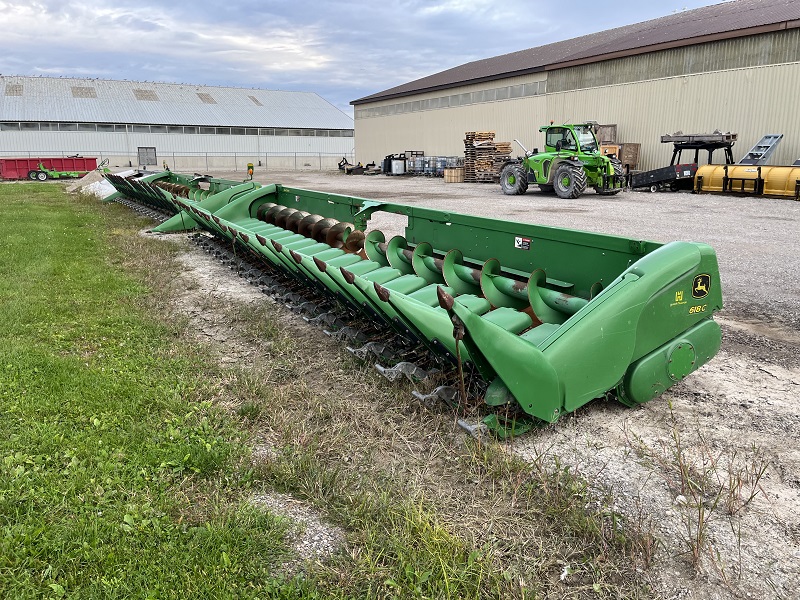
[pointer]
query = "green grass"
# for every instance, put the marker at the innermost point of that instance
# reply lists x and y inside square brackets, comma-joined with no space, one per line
[105,425]
[125,467]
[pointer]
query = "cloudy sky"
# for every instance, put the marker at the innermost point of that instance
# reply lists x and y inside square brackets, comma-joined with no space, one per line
[341,50]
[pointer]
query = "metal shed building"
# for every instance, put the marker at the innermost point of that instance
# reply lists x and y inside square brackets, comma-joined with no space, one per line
[733,66]
[188,126]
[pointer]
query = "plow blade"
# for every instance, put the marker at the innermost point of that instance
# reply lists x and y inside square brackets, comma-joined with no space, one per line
[547,318]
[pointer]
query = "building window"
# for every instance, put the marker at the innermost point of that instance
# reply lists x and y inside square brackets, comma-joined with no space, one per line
[141,128]
[29,126]
[48,126]
[251,132]
[237,131]
[158,129]
[266,132]
[223,130]
[207,130]
[190,130]
[68,127]
[281,132]
[174,129]
[105,127]
[87,127]
[9,126]
[120,128]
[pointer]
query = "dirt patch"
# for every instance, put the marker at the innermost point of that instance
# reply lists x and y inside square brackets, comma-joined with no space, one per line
[312,538]
[207,288]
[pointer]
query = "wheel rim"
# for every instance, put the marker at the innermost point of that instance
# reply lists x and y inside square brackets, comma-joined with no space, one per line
[565,181]
[511,179]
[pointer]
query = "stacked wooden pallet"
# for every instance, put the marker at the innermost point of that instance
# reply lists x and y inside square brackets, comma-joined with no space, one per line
[472,141]
[483,157]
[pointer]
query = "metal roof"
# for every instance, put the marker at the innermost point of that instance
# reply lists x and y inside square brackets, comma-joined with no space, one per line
[719,21]
[108,101]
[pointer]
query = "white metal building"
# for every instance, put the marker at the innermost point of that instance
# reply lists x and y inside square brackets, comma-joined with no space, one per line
[733,67]
[187,126]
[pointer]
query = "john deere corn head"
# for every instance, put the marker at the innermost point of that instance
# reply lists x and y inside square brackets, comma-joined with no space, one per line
[537,321]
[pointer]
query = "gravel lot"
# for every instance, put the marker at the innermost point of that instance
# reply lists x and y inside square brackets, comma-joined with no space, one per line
[734,425]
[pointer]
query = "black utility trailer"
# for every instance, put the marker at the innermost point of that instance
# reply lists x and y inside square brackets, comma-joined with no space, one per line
[673,177]
[681,176]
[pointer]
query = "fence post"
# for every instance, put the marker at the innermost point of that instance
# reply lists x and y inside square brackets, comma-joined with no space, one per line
[295,161]
[320,161]
[206,162]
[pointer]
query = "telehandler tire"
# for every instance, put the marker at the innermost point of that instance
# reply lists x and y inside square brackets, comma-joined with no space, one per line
[569,181]
[513,180]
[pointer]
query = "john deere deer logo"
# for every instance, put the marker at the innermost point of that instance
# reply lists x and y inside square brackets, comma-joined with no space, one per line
[701,285]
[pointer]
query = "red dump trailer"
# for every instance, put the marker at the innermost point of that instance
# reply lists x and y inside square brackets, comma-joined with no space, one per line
[21,168]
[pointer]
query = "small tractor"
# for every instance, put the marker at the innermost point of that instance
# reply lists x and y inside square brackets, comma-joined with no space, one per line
[570,163]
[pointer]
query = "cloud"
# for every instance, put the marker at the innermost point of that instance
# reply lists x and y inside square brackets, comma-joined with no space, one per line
[342,51]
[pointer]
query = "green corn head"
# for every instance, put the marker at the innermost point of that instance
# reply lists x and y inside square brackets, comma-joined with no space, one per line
[548,318]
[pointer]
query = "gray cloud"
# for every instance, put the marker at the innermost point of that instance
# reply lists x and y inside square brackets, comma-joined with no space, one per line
[342,51]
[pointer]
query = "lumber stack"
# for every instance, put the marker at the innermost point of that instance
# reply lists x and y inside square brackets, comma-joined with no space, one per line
[483,157]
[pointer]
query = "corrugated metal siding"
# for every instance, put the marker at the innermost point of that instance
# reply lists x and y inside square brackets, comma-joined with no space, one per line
[441,132]
[760,50]
[88,144]
[751,102]
[498,91]
[50,99]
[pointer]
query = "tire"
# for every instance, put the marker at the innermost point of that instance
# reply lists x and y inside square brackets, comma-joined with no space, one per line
[32,175]
[654,188]
[569,181]
[41,176]
[546,189]
[513,180]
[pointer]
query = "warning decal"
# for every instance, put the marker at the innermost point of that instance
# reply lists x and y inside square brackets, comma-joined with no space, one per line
[521,243]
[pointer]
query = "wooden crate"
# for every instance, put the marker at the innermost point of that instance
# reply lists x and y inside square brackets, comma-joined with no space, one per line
[606,134]
[629,154]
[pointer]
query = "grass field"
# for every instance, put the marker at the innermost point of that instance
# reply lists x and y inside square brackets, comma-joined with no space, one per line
[122,476]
